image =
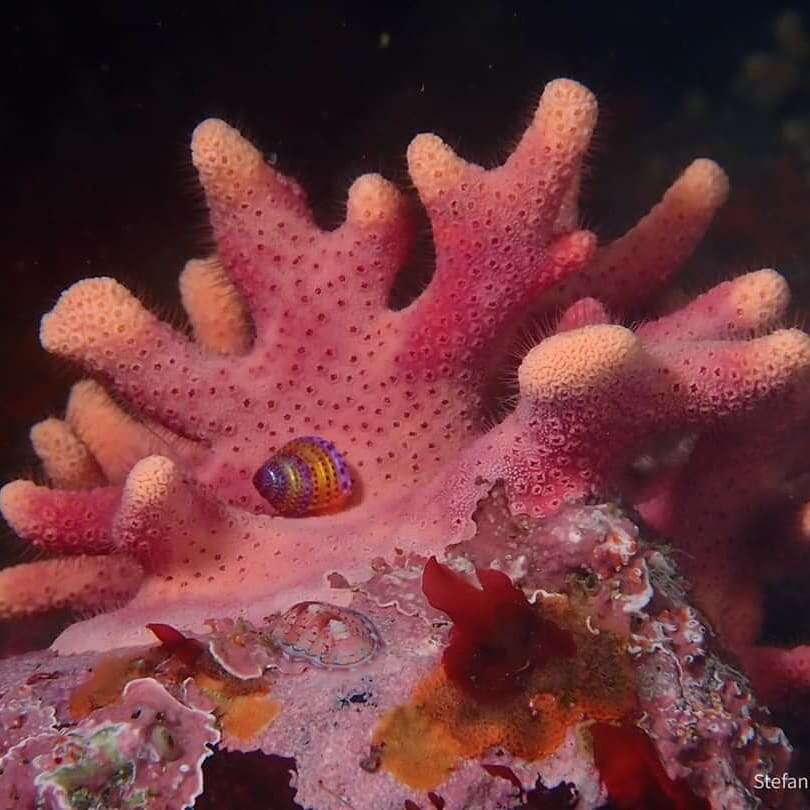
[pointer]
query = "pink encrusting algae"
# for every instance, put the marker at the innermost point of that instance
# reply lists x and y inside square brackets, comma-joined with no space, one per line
[694,418]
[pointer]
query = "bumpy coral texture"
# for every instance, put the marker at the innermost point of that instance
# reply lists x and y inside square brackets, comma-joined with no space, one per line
[692,417]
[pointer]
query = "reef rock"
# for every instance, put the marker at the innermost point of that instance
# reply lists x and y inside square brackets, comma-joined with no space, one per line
[396,724]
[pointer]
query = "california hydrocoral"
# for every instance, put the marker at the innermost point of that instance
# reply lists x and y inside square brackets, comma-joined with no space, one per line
[691,418]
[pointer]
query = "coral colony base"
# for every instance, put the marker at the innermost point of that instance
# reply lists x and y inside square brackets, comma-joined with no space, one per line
[314,547]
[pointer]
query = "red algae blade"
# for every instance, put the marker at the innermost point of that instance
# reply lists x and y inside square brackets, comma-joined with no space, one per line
[187,650]
[498,637]
[633,774]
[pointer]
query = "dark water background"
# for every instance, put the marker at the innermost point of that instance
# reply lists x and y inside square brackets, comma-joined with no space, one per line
[98,100]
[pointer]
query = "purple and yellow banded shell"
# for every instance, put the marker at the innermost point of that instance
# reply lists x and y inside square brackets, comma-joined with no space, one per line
[308,476]
[326,636]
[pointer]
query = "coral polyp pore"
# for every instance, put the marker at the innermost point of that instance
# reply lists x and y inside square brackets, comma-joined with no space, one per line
[155,514]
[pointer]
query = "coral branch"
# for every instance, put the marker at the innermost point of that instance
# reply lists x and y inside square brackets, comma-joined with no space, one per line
[779,673]
[585,312]
[377,231]
[153,504]
[626,273]
[80,583]
[270,247]
[700,383]
[60,521]
[116,440]
[65,458]
[578,387]
[101,325]
[673,384]
[749,305]
[568,214]
[734,476]
[166,523]
[479,217]
[213,305]
[146,505]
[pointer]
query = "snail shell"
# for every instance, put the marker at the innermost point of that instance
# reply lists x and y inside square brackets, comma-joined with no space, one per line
[308,476]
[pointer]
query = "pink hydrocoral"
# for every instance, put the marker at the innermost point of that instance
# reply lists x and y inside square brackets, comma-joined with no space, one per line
[293,336]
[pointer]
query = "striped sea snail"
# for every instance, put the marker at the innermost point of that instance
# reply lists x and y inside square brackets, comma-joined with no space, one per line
[307,476]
